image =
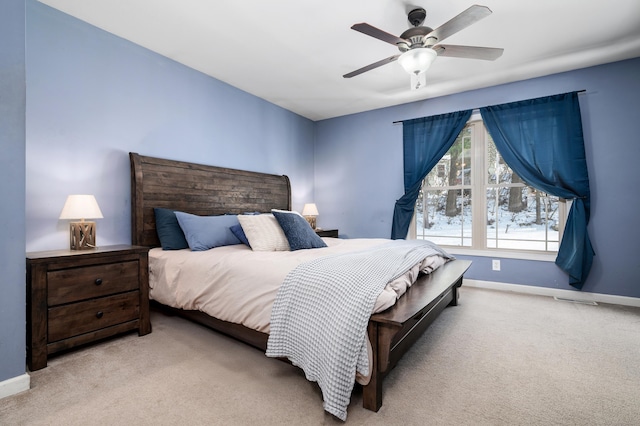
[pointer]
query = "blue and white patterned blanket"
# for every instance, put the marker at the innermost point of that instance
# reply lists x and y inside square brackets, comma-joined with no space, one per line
[320,315]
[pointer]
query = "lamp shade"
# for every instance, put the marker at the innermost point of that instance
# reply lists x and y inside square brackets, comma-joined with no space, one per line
[81,207]
[417,60]
[310,209]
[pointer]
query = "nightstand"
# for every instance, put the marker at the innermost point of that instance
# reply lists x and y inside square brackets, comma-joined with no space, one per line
[81,296]
[327,233]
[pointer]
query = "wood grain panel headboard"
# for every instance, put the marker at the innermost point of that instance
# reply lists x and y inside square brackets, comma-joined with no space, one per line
[197,189]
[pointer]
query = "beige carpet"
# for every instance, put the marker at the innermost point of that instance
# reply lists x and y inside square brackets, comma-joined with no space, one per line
[496,359]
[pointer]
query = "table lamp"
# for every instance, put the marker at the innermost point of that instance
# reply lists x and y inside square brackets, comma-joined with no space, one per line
[83,233]
[310,212]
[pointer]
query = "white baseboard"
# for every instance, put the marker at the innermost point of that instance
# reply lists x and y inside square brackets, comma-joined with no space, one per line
[555,292]
[15,385]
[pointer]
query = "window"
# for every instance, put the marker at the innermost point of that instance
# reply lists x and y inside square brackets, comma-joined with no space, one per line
[473,199]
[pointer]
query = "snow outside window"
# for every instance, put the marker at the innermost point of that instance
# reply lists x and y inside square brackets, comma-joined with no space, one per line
[472,199]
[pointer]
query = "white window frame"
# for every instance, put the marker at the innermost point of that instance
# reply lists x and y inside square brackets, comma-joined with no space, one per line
[479,207]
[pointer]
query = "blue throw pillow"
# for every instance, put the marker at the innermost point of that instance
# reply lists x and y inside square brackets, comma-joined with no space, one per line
[169,232]
[206,232]
[297,230]
[239,233]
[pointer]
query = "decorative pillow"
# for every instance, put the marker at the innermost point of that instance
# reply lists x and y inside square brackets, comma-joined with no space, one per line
[169,231]
[239,233]
[263,232]
[206,232]
[299,233]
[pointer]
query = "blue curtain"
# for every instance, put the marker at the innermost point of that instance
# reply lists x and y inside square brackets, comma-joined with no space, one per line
[425,141]
[541,140]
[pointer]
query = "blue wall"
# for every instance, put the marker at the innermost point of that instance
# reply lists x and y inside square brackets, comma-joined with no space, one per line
[359,172]
[12,178]
[93,97]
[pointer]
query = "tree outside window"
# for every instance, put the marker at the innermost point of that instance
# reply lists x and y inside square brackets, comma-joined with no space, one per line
[473,199]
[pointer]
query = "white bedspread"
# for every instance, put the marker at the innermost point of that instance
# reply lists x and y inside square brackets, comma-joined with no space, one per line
[236,284]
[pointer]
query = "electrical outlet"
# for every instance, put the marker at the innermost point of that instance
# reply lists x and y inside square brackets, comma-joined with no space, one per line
[495,264]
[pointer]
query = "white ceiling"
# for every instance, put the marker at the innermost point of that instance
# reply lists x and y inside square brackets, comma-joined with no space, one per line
[293,53]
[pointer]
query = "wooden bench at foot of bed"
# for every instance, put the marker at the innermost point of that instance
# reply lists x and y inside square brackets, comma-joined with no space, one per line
[393,332]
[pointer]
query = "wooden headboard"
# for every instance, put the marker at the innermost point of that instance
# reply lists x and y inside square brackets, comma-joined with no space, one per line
[197,189]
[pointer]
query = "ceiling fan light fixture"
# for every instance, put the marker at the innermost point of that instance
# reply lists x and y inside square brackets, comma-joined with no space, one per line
[417,60]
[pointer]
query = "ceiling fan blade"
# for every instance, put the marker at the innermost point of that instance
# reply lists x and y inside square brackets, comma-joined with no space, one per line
[372,66]
[374,32]
[460,22]
[471,52]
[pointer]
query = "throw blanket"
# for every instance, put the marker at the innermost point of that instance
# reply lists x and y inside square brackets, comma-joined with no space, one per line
[320,315]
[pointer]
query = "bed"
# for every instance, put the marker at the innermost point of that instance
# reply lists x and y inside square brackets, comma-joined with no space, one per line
[208,190]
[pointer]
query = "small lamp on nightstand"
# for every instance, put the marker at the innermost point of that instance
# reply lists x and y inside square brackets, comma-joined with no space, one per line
[310,212]
[83,234]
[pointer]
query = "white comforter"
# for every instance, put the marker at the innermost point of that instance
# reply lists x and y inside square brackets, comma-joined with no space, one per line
[238,285]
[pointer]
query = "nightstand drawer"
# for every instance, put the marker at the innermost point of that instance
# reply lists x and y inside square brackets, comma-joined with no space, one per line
[75,284]
[83,317]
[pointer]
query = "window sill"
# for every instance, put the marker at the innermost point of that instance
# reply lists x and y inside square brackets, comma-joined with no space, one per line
[504,254]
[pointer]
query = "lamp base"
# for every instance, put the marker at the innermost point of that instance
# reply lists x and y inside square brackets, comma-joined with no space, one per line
[312,221]
[82,235]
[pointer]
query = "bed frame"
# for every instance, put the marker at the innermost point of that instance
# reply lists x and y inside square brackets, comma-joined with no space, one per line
[209,190]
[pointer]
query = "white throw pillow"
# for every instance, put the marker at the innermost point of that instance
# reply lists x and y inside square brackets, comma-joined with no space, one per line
[264,232]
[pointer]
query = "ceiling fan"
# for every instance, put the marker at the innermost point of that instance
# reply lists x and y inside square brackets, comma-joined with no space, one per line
[418,45]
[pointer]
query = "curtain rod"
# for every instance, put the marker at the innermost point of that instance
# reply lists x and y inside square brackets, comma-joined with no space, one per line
[474,109]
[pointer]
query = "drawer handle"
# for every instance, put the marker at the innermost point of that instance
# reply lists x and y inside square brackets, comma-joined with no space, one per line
[98,281]
[99,314]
